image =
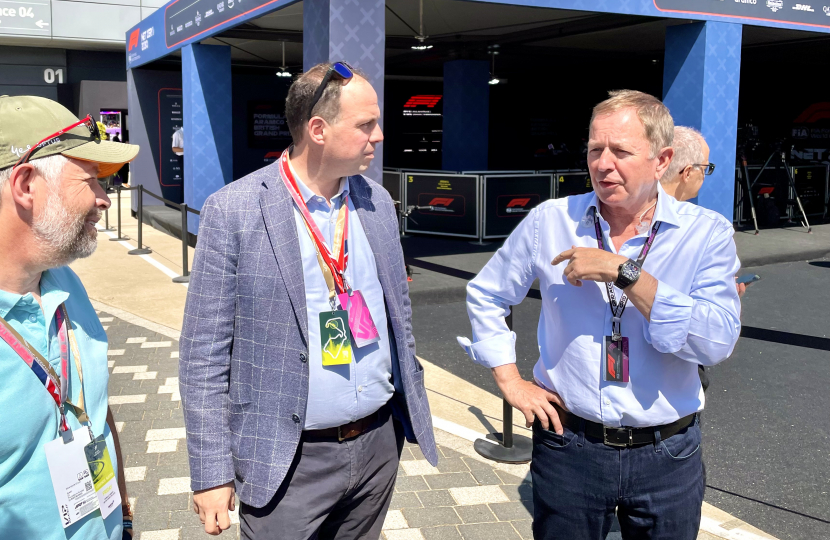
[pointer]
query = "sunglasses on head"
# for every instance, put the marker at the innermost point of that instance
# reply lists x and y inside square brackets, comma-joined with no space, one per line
[90,124]
[342,70]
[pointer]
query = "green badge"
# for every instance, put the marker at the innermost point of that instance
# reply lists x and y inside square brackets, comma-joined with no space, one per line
[335,337]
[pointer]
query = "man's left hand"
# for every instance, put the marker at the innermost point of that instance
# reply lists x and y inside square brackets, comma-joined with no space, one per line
[590,264]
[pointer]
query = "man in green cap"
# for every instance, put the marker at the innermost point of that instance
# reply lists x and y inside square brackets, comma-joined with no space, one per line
[59,471]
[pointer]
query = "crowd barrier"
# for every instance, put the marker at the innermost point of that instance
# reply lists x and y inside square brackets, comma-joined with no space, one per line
[479,205]
[141,249]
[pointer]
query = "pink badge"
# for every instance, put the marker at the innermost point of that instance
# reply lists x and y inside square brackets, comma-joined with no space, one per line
[361,324]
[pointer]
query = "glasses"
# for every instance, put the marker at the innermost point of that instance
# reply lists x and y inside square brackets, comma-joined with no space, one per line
[708,168]
[344,70]
[90,124]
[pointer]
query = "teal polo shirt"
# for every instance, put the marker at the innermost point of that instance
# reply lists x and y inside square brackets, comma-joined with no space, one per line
[30,417]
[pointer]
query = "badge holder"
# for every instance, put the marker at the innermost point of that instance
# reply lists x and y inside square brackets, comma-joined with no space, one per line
[615,357]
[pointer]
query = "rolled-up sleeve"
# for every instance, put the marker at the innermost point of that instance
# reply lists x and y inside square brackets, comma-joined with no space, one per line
[704,325]
[502,283]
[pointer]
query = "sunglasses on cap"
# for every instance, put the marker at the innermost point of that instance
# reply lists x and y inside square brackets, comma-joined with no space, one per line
[90,124]
[342,70]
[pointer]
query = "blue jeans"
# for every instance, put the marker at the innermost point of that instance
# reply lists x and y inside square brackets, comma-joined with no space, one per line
[578,482]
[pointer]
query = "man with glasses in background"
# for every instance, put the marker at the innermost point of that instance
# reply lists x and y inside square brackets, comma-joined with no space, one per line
[61,473]
[298,373]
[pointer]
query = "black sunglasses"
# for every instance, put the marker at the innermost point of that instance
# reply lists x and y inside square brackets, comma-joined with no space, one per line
[342,69]
[709,168]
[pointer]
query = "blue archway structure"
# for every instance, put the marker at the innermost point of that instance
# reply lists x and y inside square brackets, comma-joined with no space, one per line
[701,77]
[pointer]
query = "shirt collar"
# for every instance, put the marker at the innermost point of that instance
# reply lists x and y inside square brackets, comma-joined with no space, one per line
[52,295]
[666,211]
[307,194]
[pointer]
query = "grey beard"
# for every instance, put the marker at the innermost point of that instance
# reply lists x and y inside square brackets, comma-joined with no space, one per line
[62,237]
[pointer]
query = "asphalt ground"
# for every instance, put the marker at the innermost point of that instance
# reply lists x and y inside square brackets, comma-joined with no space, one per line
[766,425]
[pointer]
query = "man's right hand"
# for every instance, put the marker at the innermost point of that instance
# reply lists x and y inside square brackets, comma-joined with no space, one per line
[533,400]
[212,505]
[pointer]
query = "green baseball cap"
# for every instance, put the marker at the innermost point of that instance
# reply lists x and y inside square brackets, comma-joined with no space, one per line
[27,120]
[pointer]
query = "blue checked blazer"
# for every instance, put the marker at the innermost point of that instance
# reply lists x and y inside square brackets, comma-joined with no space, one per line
[243,366]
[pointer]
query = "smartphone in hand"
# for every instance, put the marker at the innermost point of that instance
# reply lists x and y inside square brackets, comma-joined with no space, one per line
[747,279]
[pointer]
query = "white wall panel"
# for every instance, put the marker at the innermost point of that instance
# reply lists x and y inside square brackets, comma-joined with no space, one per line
[82,20]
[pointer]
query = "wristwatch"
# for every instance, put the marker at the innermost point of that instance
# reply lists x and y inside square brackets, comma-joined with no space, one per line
[629,273]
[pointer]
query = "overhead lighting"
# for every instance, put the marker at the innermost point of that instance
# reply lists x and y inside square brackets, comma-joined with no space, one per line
[493,51]
[493,81]
[421,37]
[283,72]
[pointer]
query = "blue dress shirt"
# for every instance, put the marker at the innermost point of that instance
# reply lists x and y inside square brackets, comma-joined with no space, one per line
[341,394]
[695,318]
[28,508]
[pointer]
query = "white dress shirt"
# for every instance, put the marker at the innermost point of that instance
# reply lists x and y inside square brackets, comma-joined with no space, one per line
[695,318]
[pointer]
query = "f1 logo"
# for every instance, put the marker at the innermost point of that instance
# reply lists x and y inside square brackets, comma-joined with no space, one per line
[440,201]
[133,40]
[521,203]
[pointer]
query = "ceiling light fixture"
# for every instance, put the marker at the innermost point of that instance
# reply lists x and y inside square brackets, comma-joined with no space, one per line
[421,37]
[493,51]
[283,72]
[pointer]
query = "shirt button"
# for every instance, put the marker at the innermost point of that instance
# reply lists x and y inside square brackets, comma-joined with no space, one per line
[360,389]
[608,402]
[32,318]
[303,358]
[296,418]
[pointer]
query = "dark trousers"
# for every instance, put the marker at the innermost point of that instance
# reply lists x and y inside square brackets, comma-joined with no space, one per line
[578,482]
[333,490]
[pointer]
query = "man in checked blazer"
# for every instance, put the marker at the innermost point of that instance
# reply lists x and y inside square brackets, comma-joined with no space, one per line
[312,450]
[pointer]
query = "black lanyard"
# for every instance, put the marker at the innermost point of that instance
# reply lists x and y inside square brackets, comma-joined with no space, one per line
[618,309]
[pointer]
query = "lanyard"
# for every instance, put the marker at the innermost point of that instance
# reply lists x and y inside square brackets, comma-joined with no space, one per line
[56,385]
[334,268]
[618,309]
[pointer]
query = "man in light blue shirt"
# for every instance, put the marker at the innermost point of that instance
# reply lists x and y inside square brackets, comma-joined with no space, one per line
[50,201]
[616,394]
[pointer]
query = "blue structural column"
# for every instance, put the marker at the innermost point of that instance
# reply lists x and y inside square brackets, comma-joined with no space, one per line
[353,31]
[208,148]
[466,115]
[701,83]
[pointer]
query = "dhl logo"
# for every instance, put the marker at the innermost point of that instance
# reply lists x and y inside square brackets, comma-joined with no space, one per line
[521,203]
[429,101]
[440,201]
[133,40]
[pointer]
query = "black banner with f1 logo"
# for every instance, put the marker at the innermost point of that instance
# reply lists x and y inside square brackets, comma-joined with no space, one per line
[509,198]
[447,204]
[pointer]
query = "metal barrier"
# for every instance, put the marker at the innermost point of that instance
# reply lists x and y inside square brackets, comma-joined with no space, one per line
[141,249]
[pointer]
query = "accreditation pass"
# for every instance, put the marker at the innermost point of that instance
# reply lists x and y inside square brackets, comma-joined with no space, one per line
[71,479]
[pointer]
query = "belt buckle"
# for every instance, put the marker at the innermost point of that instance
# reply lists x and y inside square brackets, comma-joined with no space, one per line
[616,444]
[340,437]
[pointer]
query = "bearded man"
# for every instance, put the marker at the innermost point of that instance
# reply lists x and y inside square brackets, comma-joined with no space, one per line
[58,451]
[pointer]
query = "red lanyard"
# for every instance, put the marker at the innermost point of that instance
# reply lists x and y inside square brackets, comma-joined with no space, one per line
[336,265]
[57,386]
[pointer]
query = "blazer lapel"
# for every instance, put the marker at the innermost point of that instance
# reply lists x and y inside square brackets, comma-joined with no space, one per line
[278,213]
[364,205]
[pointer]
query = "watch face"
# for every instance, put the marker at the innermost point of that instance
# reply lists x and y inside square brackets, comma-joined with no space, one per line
[630,271]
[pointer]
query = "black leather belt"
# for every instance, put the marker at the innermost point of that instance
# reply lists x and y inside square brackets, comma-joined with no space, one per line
[622,437]
[347,431]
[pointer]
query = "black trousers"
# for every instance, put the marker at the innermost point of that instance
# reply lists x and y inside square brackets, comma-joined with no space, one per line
[333,490]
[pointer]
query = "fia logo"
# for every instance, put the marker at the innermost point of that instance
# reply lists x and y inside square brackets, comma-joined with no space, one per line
[20,151]
[220,7]
[775,5]
[65,515]
[198,18]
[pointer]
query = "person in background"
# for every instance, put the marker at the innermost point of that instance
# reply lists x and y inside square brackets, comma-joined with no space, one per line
[178,142]
[638,289]
[53,349]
